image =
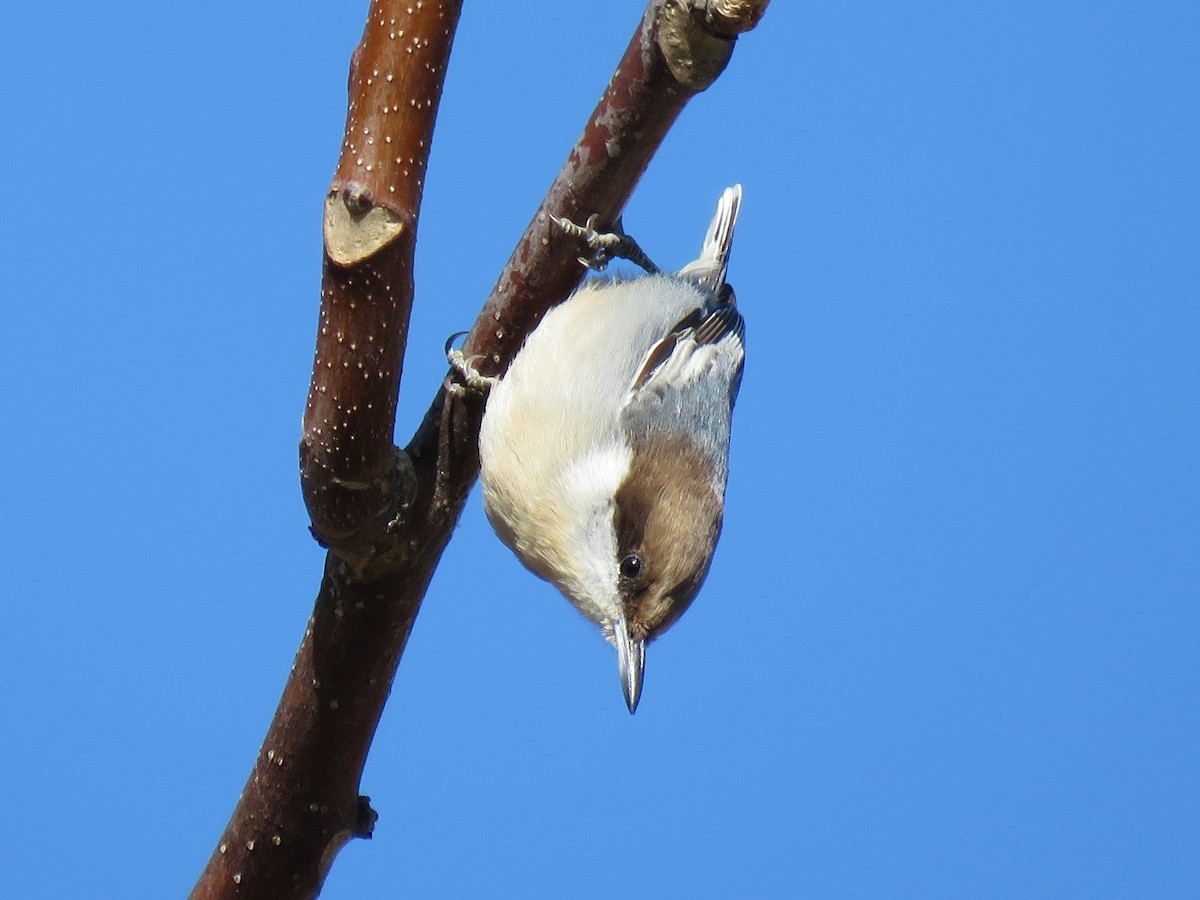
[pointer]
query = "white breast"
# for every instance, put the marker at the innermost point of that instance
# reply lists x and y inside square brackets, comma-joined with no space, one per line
[552,451]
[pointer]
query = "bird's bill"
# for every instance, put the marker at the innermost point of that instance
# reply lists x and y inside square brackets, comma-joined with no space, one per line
[631,663]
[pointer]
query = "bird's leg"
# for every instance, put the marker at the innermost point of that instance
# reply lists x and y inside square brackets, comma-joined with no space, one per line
[606,245]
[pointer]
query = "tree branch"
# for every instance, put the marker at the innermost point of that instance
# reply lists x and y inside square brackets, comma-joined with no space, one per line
[386,515]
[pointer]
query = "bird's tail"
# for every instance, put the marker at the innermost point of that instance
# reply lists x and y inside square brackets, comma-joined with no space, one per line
[710,268]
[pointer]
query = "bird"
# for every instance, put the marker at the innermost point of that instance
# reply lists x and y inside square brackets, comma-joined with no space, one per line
[604,447]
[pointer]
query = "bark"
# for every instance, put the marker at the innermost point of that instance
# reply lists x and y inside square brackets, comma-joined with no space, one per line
[385,515]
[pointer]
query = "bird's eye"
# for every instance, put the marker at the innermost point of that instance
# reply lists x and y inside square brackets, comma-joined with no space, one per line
[631,566]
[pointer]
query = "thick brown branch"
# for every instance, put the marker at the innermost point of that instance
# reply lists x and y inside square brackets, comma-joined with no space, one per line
[301,803]
[386,516]
[354,483]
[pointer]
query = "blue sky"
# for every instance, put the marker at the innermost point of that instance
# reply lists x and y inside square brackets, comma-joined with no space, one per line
[948,647]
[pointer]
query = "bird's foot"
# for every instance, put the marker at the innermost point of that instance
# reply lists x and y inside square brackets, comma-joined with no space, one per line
[470,379]
[606,245]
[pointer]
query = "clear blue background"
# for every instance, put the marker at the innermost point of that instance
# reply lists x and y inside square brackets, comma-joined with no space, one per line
[948,647]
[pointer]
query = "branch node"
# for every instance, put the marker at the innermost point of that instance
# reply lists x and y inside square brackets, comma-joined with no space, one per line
[358,199]
[364,818]
[404,489]
[732,17]
[692,51]
[355,227]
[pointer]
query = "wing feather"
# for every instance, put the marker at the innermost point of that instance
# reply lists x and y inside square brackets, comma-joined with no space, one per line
[689,381]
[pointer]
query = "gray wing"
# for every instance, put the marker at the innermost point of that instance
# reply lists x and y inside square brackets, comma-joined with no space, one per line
[689,381]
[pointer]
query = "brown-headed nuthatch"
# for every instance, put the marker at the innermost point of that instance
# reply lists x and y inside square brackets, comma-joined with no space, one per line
[604,448]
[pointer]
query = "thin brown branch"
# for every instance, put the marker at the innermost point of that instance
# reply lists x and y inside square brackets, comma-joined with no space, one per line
[386,516]
[679,49]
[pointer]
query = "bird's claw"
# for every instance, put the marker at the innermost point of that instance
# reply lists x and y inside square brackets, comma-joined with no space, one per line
[470,379]
[605,245]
